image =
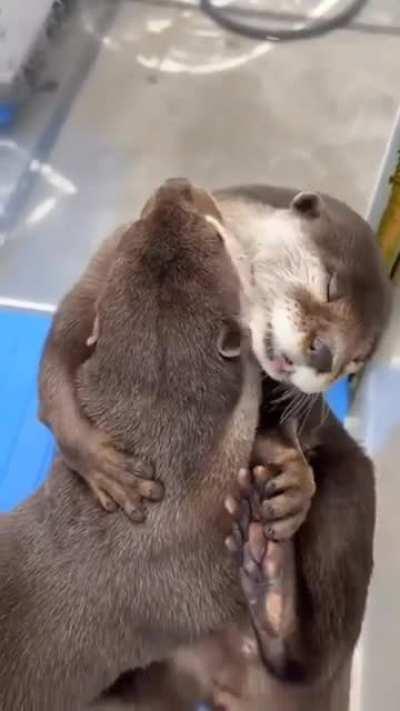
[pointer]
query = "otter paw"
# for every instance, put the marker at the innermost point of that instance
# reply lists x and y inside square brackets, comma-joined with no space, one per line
[283,496]
[116,479]
[265,566]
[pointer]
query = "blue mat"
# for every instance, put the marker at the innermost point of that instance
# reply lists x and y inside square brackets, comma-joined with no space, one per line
[26,447]
[338,399]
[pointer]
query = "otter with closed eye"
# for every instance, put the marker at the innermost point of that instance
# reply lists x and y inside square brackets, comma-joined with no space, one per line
[85,595]
[334,571]
[318,295]
[315,298]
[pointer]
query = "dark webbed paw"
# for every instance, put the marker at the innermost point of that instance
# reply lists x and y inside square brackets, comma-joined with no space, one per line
[272,504]
[262,562]
[284,496]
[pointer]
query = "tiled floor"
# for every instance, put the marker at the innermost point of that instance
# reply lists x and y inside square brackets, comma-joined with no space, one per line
[169,93]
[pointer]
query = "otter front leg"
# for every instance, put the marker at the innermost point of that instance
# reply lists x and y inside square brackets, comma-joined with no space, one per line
[272,504]
[115,478]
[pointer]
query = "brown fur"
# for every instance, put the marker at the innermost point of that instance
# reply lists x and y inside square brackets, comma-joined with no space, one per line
[83,595]
[355,317]
[239,672]
[348,251]
[333,550]
[112,476]
[332,571]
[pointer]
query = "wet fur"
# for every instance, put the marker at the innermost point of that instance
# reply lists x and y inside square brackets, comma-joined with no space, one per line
[84,595]
[296,242]
[333,554]
[333,565]
[333,570]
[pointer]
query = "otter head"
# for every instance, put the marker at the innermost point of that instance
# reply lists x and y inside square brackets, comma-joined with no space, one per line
[322,296]
[168,354]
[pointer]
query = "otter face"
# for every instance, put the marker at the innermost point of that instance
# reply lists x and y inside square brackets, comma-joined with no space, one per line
[322,297]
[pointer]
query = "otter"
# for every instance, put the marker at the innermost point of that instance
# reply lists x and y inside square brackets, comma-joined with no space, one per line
[85,595]
[315,299]
[320,294]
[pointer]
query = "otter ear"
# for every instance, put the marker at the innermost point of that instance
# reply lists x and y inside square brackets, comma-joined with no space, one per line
[94,336]
[307,204]
[230,341]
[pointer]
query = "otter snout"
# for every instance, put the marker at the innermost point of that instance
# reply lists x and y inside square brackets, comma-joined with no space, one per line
[320,356]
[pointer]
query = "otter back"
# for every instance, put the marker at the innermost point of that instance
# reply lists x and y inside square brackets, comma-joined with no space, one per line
[85,595]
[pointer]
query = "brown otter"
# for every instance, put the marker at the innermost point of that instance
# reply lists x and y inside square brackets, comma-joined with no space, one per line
[320,294]
[320,644]
[306,585]
[315,297]
[327,280]
[84,595]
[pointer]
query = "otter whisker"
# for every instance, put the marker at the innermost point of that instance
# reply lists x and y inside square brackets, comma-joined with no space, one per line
[324,411]
[297,411]
[303,407]
[292,407]
[287,394]
[289,407]
[310,406]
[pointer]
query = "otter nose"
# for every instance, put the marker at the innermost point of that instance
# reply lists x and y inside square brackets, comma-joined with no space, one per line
[320,356]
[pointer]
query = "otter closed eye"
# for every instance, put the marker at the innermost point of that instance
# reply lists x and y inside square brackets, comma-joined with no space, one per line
[319,293]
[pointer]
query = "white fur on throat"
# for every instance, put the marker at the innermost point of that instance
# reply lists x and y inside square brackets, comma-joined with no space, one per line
[274,255]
